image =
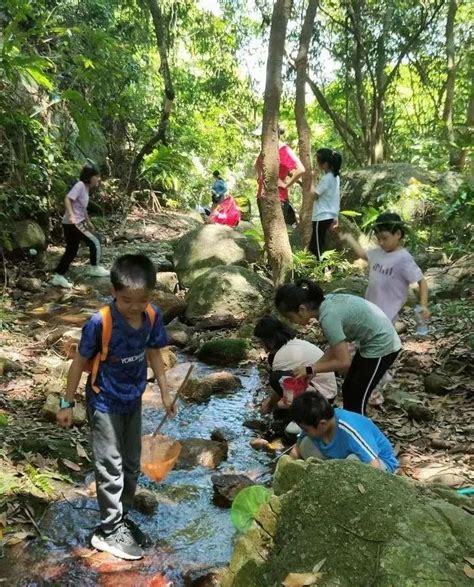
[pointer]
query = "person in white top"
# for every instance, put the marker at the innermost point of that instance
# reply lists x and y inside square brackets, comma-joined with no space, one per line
[287,353]
[327,199]
[78,227]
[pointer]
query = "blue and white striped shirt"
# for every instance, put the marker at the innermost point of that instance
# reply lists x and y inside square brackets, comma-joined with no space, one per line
[358,435]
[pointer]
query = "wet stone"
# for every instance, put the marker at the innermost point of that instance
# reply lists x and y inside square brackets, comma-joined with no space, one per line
[145,502]
[200,452]
[227,486]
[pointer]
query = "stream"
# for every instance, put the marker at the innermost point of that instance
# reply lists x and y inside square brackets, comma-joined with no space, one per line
[191,535]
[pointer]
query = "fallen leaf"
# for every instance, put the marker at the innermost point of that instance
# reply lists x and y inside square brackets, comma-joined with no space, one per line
[361,488]
[469,560]
[81,451]
[318,566]
[301,579]
[469,571]
[71,465]
[18,537]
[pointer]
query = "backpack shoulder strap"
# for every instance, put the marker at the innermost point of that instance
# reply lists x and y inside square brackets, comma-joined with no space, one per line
[106,316]
[150,312]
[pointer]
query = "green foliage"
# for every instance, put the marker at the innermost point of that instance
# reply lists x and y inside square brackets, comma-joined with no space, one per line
[331,265]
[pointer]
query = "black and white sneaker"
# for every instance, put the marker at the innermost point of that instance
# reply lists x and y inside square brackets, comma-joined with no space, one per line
[140,537]
[120,543]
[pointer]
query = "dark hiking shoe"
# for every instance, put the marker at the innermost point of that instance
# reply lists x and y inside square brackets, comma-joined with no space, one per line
[120,543]
[140,537]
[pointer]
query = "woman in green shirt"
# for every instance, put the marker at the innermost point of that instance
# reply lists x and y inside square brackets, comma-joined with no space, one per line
[344,318]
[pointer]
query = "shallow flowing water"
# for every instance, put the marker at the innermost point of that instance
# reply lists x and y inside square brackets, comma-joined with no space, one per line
[190,533]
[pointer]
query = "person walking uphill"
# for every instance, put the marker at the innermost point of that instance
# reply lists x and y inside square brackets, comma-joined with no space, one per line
[344,318]
[327,199]
[132,331]
[78,227]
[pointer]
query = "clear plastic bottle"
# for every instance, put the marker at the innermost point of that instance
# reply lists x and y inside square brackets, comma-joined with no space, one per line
[421,324]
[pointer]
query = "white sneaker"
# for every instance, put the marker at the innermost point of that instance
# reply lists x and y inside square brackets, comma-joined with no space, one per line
[293,428]
[98,271]
[60,281]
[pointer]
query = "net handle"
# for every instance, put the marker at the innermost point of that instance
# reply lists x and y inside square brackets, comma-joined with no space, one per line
[180,390]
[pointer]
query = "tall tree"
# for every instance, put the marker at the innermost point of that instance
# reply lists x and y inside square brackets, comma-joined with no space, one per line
[450,82]
[276,236]
[161,25]
[304,132]
[384,35]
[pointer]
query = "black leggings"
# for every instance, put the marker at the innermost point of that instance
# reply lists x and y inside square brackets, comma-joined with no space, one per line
[361,379]
[317,244]
[73,235]
[288,212]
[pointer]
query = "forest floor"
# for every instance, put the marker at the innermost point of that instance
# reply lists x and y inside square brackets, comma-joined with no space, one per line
[428,411]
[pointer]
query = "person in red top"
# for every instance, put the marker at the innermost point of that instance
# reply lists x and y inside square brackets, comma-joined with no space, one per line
[291,169]
[224,208]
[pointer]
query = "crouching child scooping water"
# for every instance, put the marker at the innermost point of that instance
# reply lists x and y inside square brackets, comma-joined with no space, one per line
[334,433]
[116,344]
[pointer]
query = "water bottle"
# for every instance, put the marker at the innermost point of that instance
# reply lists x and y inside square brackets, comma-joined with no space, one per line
[421,325]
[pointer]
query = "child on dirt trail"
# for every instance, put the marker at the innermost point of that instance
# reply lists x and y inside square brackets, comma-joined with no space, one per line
[113,393]
[343,319]
[391,267]
[327,199]
[330,433]
[286,353]
[391,271]
[78,227]
[224,208]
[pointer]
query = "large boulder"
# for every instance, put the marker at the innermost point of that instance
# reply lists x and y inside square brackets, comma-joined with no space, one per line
[348,524]
[415,193]
[209,246]
[451,280]
[227,294]
[28,234]
[224,351]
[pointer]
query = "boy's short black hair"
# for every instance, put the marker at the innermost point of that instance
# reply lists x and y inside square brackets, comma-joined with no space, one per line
[310,408]
[389,222]
[134,272]
[87,173]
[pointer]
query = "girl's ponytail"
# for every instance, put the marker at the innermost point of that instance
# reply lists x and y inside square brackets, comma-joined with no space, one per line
[332,158]
[336,163]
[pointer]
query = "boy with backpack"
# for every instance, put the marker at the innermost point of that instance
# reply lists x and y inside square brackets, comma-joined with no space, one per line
[115,345]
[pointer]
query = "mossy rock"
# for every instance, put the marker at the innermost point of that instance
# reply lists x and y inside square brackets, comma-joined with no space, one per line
[367,524]
[224,351]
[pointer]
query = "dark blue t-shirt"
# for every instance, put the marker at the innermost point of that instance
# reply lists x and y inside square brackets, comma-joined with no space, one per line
[122,376]
[357,434]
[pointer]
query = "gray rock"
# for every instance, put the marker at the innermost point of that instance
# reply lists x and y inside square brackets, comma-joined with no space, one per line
[437,384]
[227,486]
[200,452]
[200,389]
[28,234]
[167,281]
[145,502]
[209,246]
[32,284]
[172,306]
[451,280]
[227,293]
[401,532]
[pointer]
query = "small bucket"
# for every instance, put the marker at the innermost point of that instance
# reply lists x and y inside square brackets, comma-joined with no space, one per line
[159,455]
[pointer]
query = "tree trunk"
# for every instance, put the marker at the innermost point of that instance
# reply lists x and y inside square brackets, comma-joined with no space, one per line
[304,132]
[160,23]
[450,82]
[465,138]
[276,236]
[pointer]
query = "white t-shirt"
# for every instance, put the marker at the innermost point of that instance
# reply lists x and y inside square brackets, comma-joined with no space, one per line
[79,196]
[390,275]
[301,353]
[328,198]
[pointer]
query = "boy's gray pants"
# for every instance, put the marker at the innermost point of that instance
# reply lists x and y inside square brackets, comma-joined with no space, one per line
[116,446]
